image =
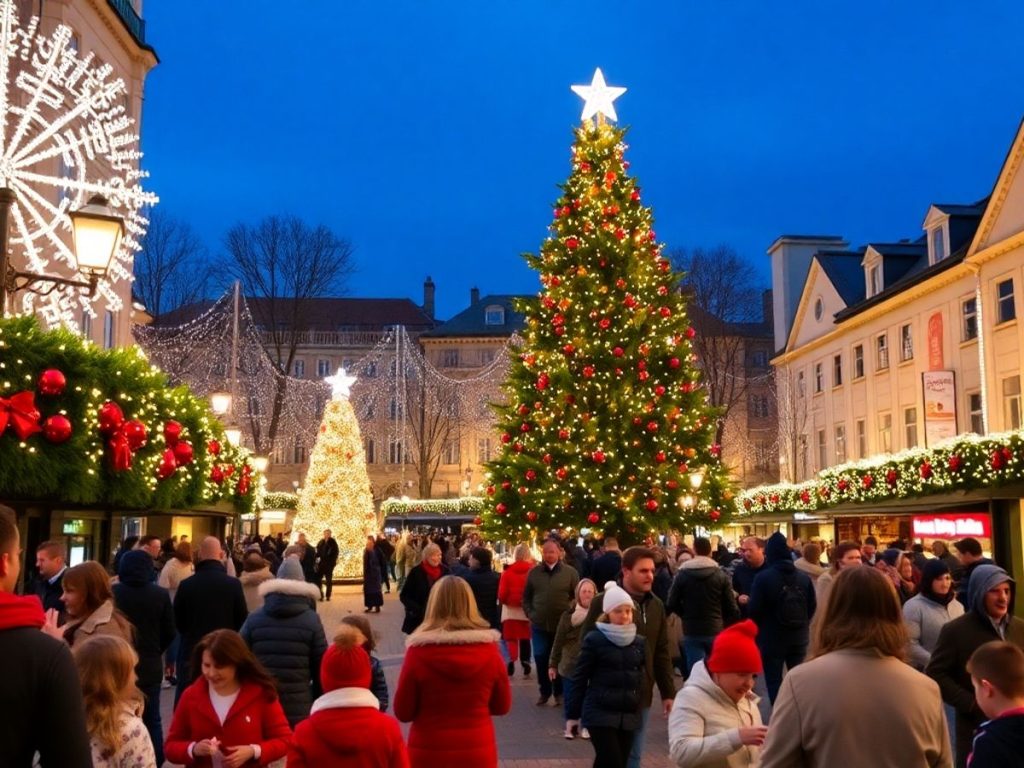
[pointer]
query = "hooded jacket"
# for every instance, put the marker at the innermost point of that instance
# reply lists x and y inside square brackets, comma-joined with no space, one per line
[926,614]
[702,597]
[148,607]
[41,698]
[288,638]
[345,730]
[704,726]
[766,595]
[450,686]
[958,640]
[251,582]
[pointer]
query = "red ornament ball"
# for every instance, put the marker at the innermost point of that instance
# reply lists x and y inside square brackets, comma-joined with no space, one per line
[652,426]
[588,371]
[892,477]
[598,456]
[955,463]
[805,497]
[605,323]
[926,470]
[714,515]
[500,508]
[172,433]
[542,382]
[110,417]
[490,490]
[136,433]
[216,475]
[57,429]
[477,520]
[506,438]
[665,312]
[51,382]
[618,352]
[659,457]
[561,473]
[659,390]
[652,505]
[635,196]
[673,362]
[506,484]
[690,332]
[531,474]
[531,516]
[572,243]
[523,410]
[213,448]
[593,518]
[183,452]
[867,481]
[546,458]
[563,434]
[167,466]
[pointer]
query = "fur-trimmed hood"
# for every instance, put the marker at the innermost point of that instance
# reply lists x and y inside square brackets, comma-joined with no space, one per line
[345,697]
[285,598]
[255,578]
[454,637]
[288,587]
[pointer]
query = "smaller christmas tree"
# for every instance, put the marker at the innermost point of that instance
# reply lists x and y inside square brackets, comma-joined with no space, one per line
[337,493]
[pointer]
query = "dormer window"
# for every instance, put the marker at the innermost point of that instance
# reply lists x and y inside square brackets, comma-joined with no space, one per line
[937,244]
[874,280]
[494,315]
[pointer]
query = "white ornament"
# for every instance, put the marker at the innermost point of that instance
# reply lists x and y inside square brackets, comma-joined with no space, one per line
[341,384]
[598,97]
[65,136]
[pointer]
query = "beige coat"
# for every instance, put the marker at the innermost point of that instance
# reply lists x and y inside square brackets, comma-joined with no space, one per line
[105,620]
[172,574]
[830,709]
[704,727]
[251,581]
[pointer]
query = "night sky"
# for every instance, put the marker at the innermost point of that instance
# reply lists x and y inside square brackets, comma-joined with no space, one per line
[433,134]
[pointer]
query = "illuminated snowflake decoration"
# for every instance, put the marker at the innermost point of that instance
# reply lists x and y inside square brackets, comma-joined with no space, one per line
[65,135]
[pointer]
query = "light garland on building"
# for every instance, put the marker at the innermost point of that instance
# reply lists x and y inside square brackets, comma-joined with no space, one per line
[462,507]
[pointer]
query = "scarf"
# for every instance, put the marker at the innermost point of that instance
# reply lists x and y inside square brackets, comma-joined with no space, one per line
[620,634]
[433,572]
[579,613]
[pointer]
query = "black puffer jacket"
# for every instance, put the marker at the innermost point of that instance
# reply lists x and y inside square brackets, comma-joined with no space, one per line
[484,583]
[702,597]
[148,607]
[606,686]
[286,635]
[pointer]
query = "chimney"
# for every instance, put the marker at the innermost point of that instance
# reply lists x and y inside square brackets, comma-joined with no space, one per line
[474,296]
[766,307]
[791,257]
[428,297]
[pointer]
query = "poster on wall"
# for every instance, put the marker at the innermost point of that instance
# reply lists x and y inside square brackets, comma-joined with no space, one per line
[939,406]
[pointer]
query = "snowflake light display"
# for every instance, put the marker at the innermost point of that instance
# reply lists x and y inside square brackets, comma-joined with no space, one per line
[65,136]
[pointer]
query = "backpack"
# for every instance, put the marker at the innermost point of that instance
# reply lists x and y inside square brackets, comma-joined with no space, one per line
[791,611]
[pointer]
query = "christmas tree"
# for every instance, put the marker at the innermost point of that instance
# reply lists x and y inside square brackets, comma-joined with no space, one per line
[606,425]
[336,494]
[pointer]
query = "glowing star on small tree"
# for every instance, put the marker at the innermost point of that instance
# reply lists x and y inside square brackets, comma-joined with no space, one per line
[598,97]
[341,384]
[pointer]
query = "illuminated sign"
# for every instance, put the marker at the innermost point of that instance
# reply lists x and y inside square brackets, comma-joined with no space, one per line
[953,526]
[73,527]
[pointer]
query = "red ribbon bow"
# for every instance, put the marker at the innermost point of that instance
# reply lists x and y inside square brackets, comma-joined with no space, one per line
[120,451]
[21,413]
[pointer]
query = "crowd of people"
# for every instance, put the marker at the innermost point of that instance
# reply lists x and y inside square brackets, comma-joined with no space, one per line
[235,629]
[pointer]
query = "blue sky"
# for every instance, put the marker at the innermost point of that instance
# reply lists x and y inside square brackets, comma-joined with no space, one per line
[433,134]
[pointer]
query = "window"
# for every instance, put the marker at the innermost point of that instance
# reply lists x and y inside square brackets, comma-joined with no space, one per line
[858,361]
[370,372]
[370,413]
[298,368]
[974,409]
[1011,402]
[449,358]
[906,342]
[819,378]
[882,352]
[837,371]
[968,319]
[885,432]
[762,456]
[323,368]
[758,406]
[840,444]
[938,245]
[277,456]
[254,406]
[300,451]
[486,356]
[1005,309]
[395,411]
[395,451]
[801,447]
[494,315]
[318,407]
[862,439]
[801,385]
[910,427]
[819,309]
[822,450]
[371,451]
[86,325]
[759,359]
[874,280]
[483,449]
[451,452]
[108,329]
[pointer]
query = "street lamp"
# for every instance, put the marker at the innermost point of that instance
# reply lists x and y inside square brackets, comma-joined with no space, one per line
[97,234]
[260,463]
[220,402]
[234,436]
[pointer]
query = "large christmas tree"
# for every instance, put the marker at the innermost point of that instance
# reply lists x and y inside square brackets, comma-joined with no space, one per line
[606,425]
[336,493]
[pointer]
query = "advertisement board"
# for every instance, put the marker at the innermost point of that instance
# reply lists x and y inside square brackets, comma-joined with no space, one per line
[939,406]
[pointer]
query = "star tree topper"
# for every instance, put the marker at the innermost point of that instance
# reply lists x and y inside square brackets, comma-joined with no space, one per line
[341,384]
[598,97]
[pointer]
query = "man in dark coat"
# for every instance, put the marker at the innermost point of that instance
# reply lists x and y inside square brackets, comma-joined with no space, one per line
[608,565]
[207,600]
[148,607]
[484,583]
[308,559]
[971,557]
[782,604]
[743,574]
[51,557]
[387,554]
[326,562]
[550,587]
[41,698]
[989,616]
[288,638]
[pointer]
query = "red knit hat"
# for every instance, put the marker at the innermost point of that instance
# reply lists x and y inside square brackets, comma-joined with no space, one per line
[734,650]
[346,664]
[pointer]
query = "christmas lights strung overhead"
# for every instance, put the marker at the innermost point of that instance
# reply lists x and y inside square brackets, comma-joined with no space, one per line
[598,97]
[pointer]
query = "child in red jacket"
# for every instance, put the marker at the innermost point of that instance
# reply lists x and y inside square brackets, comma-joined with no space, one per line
[346,728]
[231,712]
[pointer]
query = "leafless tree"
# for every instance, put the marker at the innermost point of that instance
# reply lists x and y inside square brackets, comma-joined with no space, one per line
[722,296]
[793,411]
[172,268]
[282,262]
[434,419]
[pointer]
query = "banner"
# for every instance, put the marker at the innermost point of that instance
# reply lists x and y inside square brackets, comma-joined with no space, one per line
[939,406]
[955,525]
[935,352]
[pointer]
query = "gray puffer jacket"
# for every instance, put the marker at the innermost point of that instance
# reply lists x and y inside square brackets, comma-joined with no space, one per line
[924,619]
[286,635]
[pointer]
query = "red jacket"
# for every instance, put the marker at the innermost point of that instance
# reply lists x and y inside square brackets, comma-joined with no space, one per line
[450,685]
[253,719]
[346,729]
[512,584]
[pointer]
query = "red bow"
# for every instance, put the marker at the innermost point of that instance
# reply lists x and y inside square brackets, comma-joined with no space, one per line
[120,451]
[21,412]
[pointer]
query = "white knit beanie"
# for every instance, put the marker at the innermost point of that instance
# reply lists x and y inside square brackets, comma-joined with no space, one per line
[614,596]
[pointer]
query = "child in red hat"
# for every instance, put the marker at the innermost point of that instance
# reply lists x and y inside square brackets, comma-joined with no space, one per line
[346,728]
[715,722]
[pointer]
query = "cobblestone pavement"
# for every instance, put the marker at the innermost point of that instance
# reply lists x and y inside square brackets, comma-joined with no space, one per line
[528,737]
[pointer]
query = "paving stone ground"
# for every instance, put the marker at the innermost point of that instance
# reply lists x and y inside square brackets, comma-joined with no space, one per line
[528,737]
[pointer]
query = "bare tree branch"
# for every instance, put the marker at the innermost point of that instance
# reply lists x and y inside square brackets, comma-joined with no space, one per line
[172,268]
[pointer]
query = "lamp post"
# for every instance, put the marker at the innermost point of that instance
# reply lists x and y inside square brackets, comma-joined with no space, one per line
[220,402]
[97,234]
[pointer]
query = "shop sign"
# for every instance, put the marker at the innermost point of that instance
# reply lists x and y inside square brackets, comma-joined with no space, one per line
[73,527]
[939,406]
[952,526]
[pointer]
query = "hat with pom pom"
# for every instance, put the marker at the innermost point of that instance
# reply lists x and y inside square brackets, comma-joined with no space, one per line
[346,664]
[734,650]
[614,596]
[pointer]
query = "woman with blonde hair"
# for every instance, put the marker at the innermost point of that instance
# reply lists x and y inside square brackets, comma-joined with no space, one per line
[418,582]
[113,704]
[452,682]
[89,602]
[861,637]
[515,627]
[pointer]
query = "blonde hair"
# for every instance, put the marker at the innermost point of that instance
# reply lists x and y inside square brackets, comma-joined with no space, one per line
[451,607]
[522,552]
[430,549]
[105,665]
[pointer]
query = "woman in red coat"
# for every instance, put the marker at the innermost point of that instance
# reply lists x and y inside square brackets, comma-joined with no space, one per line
[515,627]
[452,681]
[232,710]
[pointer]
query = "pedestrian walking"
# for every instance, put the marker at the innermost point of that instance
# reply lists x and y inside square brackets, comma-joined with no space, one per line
[452,683]
[826,716]
[405,558]
[929,611]
[997,674]
[378,683]
[606,566]
[373,576]
[752,551]
[177,568]
[515,627]
[566,647]
[118,737]
[255,571]
[387,554]
[484,582]
[326,562]
[809,561]
[416,592]
[550,589]
[89,603]
[845,554]
[605,691]
[307,556]
[51,559]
